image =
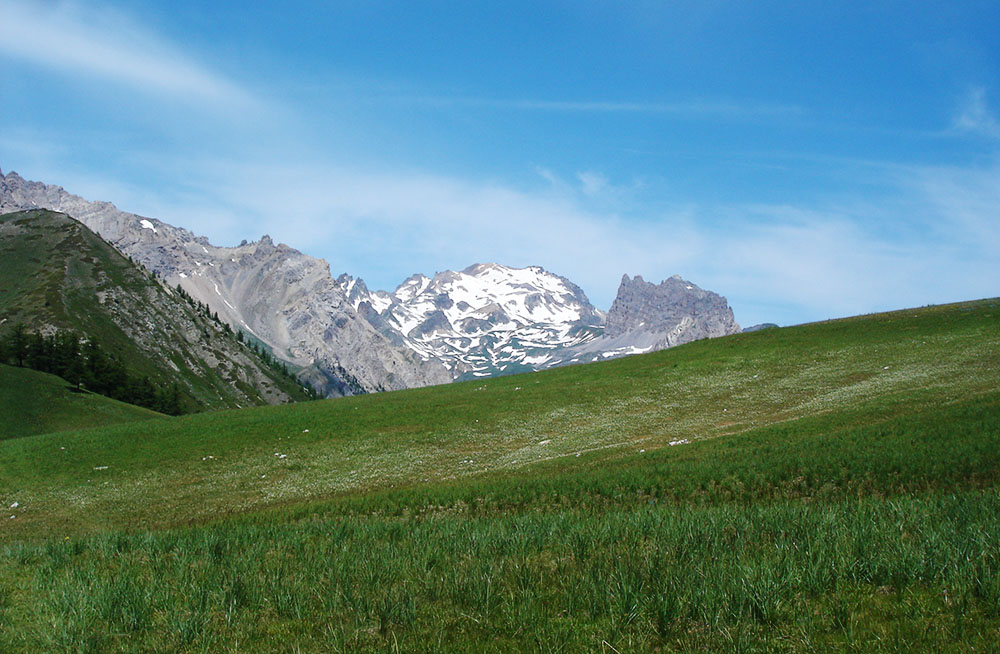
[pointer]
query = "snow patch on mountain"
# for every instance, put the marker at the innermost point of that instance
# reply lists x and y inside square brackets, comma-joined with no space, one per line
[486,319]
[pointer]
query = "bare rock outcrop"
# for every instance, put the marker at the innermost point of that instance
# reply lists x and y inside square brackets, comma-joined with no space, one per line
[675,309]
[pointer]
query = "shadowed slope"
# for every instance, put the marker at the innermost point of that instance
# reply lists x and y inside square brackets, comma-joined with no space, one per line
[34,402]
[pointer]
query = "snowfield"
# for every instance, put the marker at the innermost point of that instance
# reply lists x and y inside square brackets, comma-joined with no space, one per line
[486,319]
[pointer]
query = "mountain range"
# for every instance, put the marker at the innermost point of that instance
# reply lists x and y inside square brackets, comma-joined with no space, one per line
[491,319]
[343,338]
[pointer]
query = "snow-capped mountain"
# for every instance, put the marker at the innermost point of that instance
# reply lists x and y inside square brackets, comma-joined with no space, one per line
[484,320]
[491,319]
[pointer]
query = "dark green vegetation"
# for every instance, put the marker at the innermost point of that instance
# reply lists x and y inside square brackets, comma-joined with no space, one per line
[85,365]
[830,487]
[36,403]
[55,274]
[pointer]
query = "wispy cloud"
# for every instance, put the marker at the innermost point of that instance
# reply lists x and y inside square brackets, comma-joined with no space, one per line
[591,182]
[84,40]
[975,117]
[961,205]
[690,109]
[781,263]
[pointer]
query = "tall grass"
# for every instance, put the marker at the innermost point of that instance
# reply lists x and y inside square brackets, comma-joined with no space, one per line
[832,574]
[794,537]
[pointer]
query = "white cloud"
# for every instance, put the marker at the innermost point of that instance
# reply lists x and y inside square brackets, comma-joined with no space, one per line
[774,263]
[926,235]
[72,38]
[592,183]
[962,205]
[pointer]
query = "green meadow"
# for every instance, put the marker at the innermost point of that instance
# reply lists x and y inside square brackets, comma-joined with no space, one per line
[827,487]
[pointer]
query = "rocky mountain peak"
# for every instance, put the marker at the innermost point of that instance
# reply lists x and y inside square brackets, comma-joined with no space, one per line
[411,287]
[478,268]
[675,307]
[482,320]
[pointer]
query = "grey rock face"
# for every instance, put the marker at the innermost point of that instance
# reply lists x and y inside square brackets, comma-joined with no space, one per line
[646,317]
[286,299]
[676,309]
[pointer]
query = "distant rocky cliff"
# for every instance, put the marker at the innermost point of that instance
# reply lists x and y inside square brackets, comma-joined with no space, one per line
[673,312]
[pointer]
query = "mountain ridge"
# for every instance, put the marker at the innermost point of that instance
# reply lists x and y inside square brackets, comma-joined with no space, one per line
[530,319]
[56,274]
[315,329]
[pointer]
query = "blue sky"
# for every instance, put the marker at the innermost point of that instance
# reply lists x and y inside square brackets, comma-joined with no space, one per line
[806,160]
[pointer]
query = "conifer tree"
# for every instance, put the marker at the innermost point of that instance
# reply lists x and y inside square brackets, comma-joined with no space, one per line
[17,345]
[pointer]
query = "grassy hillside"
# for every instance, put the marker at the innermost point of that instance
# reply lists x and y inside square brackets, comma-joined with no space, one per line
[829,486]
[55,273]
[36,403]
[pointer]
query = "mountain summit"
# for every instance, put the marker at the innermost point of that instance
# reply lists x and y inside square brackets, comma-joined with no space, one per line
[672,312]
[487,319]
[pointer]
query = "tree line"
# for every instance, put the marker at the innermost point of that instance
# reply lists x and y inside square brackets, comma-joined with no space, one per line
[86,365]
